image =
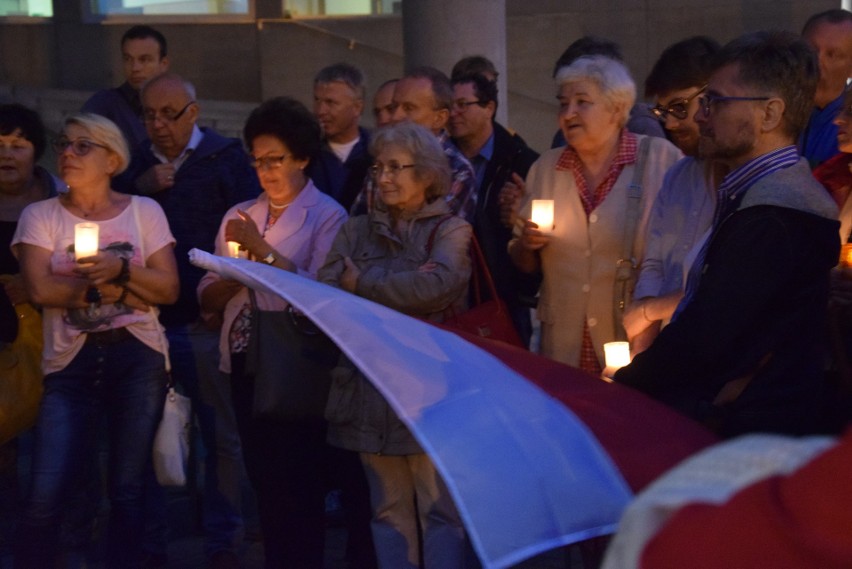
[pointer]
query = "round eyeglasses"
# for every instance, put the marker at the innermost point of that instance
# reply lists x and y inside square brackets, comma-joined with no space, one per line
[679,108]
[80,146]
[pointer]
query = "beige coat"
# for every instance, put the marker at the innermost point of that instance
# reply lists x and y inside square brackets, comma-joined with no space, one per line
[579,263]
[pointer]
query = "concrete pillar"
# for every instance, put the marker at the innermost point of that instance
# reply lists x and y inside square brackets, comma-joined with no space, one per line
[440,32]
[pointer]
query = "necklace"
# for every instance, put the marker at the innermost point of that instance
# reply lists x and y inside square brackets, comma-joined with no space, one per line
[96,209]
[278,207]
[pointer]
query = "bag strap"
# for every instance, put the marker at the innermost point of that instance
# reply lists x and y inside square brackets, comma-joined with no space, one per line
[634,200]
[134,209]
[430,242]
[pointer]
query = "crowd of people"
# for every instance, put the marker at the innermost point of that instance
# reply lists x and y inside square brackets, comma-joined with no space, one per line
[705,228]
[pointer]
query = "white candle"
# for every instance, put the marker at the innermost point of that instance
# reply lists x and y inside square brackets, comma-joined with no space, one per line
[617,354]
[85,240]
[542,215]
[233,249]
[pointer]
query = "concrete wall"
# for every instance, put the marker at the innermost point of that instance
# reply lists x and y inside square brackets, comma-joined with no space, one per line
[247,62]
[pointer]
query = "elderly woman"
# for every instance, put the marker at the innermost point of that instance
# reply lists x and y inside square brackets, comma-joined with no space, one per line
[588,182]
[291,225]
[104,350]
[409,254]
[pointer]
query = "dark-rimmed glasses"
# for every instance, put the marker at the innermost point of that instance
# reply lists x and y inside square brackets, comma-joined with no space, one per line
[679,108]
[166,116]
[268,162]
[79,146]
[392,169]
[461,105]
[706,102]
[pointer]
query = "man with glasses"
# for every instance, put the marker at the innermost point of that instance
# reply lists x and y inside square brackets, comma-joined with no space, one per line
[497,156]
[743,352]
[684,207]
[196,175]
[830,35]
[424,96]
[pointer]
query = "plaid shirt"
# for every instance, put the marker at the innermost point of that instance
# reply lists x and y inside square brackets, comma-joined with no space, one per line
[461,197]
[569,161]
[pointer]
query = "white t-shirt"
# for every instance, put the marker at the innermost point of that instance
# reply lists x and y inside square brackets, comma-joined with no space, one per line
[49,225]
[343,150]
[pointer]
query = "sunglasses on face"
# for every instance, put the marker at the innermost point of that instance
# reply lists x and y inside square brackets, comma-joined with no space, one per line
[679,108]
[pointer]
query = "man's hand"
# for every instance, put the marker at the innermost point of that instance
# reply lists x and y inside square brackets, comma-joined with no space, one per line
[156,179]
[510,199]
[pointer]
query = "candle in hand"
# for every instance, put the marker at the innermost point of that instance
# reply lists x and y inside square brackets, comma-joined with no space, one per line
[85,240]
[617,354]
[542,215]
[233,249]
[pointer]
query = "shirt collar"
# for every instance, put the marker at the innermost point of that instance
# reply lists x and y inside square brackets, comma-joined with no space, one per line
[626,153]
[191,146]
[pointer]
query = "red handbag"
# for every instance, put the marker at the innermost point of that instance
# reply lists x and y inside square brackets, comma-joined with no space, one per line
[490,318]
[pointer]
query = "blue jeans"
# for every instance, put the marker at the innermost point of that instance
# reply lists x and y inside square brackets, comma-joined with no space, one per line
[194,352]
[120,379]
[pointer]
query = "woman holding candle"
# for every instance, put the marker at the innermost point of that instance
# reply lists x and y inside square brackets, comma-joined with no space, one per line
[104,353]
[410,254]
[291,225]
[588,182]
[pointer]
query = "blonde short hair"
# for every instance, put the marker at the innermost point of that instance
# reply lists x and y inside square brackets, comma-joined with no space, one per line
[105,132]
[611,76]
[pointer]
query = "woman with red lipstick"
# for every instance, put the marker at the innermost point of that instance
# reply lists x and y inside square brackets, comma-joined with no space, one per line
[104,349]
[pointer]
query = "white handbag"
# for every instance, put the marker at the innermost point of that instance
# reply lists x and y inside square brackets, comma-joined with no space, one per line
[171,443]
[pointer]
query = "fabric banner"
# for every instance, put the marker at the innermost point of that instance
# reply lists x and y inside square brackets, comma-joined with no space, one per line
[526,473]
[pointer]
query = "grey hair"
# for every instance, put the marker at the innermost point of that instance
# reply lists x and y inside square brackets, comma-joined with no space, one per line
[105,132]
[611,76]
[430,161]
[188,87]
[344,73]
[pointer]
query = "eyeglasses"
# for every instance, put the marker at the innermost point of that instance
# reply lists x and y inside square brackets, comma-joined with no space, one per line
[269,162]
[80,146]
[461,105]
[392,169]
[706,102]
[166,116]
[678,108]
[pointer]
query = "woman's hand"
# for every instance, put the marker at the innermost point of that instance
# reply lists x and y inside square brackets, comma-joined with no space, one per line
[532,239]
[16,290]
[100,268]
[245,232]
[635,319]
[510,199]
[349,277]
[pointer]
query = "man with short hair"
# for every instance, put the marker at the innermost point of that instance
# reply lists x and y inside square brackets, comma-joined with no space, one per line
[683,209]
[197,175]
[829,33]
[496,156]
[342,164]
[383,103]
[743,353]
[145,55]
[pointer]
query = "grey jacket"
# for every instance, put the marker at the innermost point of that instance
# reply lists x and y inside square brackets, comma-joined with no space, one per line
[359,417]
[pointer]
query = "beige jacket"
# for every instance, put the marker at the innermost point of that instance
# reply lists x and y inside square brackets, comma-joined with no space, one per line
[579,262]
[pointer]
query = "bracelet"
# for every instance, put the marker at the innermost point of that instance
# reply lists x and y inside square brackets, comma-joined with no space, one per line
[123,297]
[645,314]
[124,274]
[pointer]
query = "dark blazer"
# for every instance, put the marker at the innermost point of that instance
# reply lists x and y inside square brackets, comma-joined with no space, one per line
[342,180]
[511,155]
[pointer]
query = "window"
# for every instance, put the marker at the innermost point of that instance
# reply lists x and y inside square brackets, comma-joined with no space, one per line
[33,8]
[170,7]
[309,8]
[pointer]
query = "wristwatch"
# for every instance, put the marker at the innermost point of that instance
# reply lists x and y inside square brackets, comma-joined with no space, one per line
[270,259]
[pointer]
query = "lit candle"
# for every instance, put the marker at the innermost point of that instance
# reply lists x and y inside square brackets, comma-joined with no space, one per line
[542,215]
[617,354]
[85,240]
[233,249]
[846,255]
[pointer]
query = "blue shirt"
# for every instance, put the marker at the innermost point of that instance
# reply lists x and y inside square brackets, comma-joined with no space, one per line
[818,142]
[681,214]
[481,160]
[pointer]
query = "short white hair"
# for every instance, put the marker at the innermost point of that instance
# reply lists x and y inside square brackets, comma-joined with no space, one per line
[105,132]
[611,76]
